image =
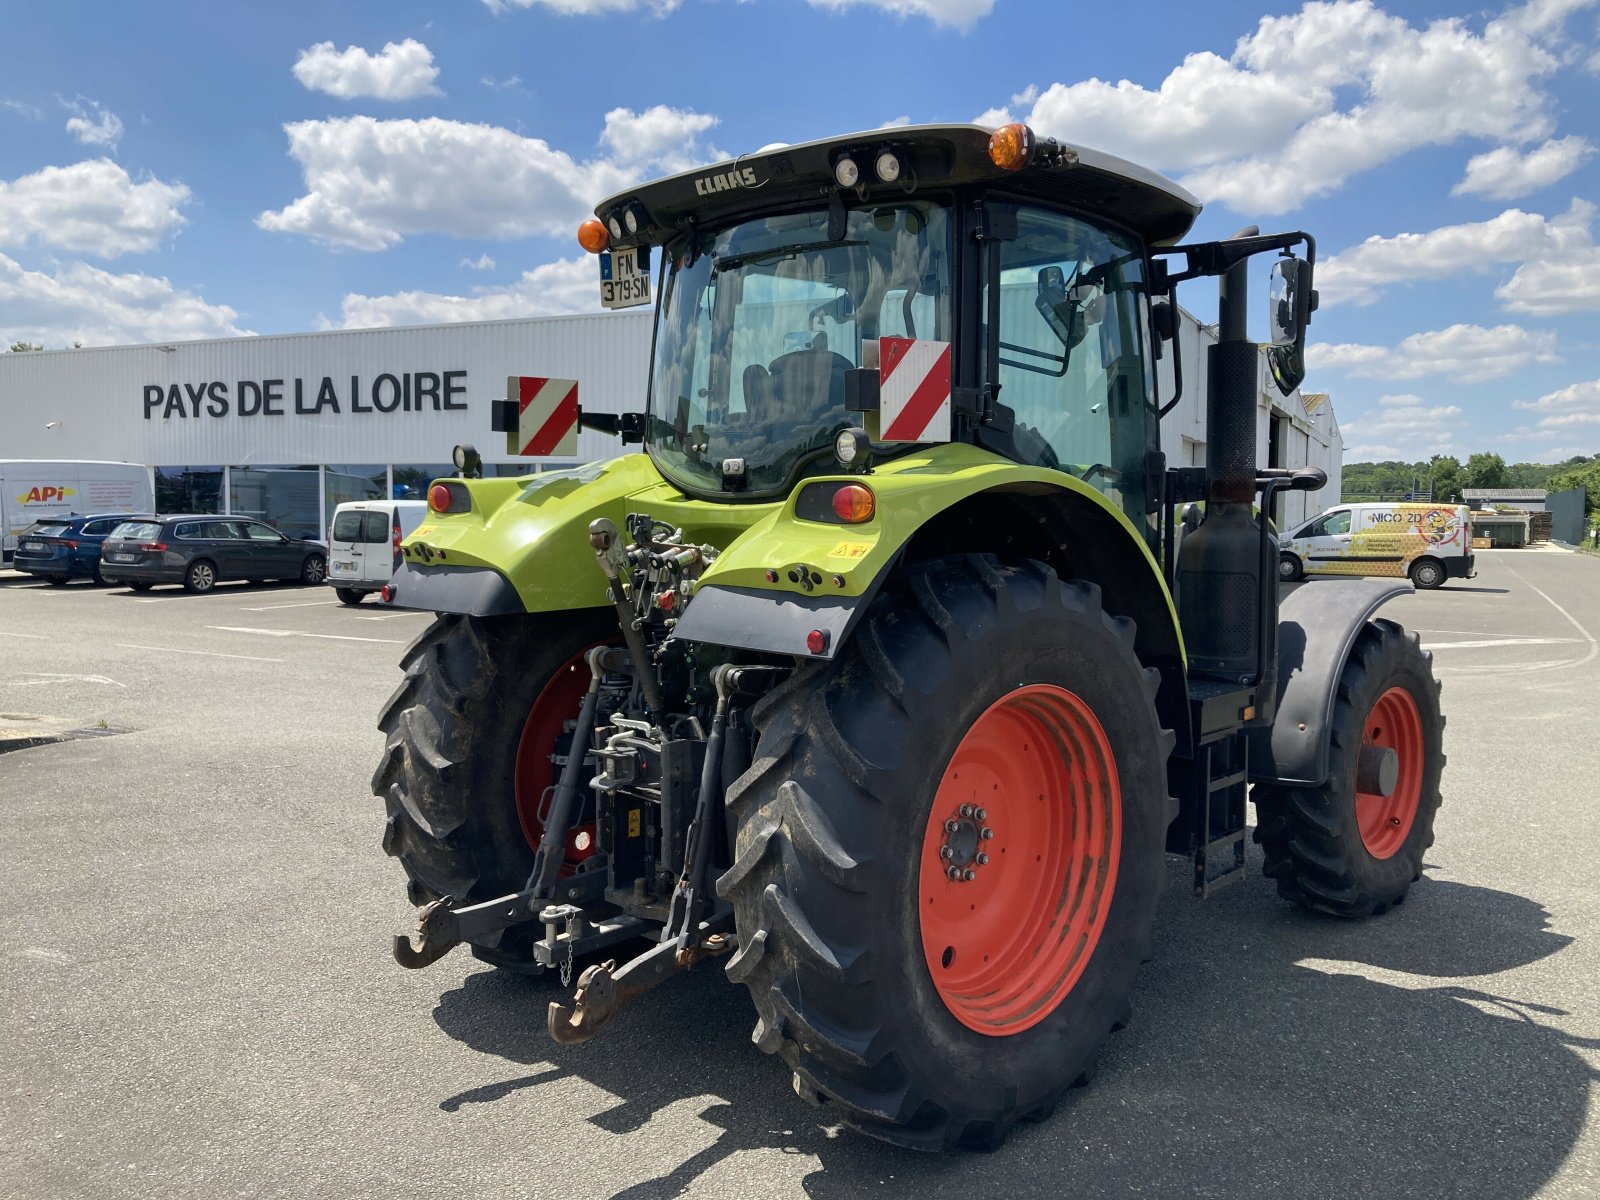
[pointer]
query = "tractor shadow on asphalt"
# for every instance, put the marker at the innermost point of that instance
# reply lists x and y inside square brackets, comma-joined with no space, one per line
[1271,1052]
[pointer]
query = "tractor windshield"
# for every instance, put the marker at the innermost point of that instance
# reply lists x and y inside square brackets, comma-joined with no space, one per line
[758,324]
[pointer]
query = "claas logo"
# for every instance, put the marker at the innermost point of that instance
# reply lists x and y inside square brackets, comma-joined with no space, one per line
[46,495]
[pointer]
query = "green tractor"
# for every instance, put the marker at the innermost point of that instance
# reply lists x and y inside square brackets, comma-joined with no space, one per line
[886,674]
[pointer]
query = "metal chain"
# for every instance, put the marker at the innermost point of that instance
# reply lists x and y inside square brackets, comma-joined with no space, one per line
[566,968]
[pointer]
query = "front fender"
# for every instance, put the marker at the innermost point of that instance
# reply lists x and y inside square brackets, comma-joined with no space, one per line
[1318,624]
[787,576]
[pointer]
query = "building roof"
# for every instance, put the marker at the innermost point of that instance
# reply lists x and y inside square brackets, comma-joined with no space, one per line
[1527,494]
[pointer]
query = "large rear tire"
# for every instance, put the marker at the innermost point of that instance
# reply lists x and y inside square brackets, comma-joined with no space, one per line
[455,746]
[936,1011]
[1338,849]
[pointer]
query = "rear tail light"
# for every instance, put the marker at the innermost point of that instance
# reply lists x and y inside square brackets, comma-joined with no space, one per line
[156,546]
[386,593]
[70,543]
[395,543]
[449,498]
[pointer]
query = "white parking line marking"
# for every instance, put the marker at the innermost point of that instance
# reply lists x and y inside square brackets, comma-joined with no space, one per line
[301,604]
[1500,642]
[40,677]
[38,637]
[391,616]
[207,653]
[332,637]
[1594,646]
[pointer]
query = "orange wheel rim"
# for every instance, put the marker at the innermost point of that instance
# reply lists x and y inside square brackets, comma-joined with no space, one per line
[1385,821]
[558,702]
[1019,860]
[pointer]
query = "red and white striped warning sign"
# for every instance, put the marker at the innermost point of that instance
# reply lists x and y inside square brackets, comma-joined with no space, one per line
[913,390]
[548,416]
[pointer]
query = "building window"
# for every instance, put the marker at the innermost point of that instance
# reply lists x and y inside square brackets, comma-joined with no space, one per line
[188,489]
[342,483]
[411,480]
[284,497]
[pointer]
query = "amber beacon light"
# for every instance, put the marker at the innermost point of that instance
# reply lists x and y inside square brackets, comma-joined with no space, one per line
[592,236]
[1011,146]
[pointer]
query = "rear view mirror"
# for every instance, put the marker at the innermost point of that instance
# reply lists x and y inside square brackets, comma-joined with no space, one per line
[1291,302]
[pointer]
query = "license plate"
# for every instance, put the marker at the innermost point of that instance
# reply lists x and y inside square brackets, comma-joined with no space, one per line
[341,568]
[33,545]
[624,279]
[120,557]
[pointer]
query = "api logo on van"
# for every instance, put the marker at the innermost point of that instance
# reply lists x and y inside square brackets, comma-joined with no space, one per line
[46,495]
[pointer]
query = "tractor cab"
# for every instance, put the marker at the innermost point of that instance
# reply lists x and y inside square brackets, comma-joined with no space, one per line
[1014,272]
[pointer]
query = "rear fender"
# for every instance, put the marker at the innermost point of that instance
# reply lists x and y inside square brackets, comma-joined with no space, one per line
[523,546]
[1318,624]
[787,576]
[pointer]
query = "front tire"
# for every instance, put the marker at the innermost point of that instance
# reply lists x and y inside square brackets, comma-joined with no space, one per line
[314,569]
[456,761]
[1338,849]
[937,1011]
[1290,568]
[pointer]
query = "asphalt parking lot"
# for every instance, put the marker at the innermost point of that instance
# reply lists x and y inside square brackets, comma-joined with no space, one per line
[199,999]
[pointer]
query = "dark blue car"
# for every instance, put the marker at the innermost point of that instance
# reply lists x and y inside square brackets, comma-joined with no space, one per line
[63,548]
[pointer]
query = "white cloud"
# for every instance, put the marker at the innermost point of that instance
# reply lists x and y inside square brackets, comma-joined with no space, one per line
[1311,99]
[1402,427]
[1575,397]
[567,286]
[1360,274]
[400,71]
[94,125]
[82,303]
[482,263]
[1506,172]
[660,137]
[1565,278]
[960,14]
[1463,352]
[92,207]
[370,183]
[587,8]
[24,109]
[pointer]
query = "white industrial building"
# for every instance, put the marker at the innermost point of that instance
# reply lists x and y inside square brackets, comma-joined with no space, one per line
[285,427]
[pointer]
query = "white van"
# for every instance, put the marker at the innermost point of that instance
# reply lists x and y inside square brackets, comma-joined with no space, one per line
[31,489]
[364,544]
[1427,543]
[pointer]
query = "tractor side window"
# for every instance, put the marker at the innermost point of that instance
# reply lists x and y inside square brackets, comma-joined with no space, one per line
[1073,367]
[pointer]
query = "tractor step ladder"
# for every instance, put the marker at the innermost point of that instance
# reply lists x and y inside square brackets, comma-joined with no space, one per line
[1218,836]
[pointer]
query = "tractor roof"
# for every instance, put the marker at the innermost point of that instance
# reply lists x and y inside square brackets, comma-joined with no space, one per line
[935,156]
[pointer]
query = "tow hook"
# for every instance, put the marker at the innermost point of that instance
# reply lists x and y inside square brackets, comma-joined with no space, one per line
[438,933]
[604,990]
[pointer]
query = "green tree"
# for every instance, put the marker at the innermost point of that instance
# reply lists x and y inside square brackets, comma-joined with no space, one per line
[1486,471]
[19,347]
[1445,471]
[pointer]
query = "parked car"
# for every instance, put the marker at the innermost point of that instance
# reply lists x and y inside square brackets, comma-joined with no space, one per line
[63,548]
[364,544]
[199,551]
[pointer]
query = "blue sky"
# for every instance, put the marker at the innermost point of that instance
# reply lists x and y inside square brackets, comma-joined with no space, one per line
[179,170]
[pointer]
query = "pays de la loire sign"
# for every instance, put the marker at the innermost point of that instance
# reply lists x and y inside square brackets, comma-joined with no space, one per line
[405,391]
